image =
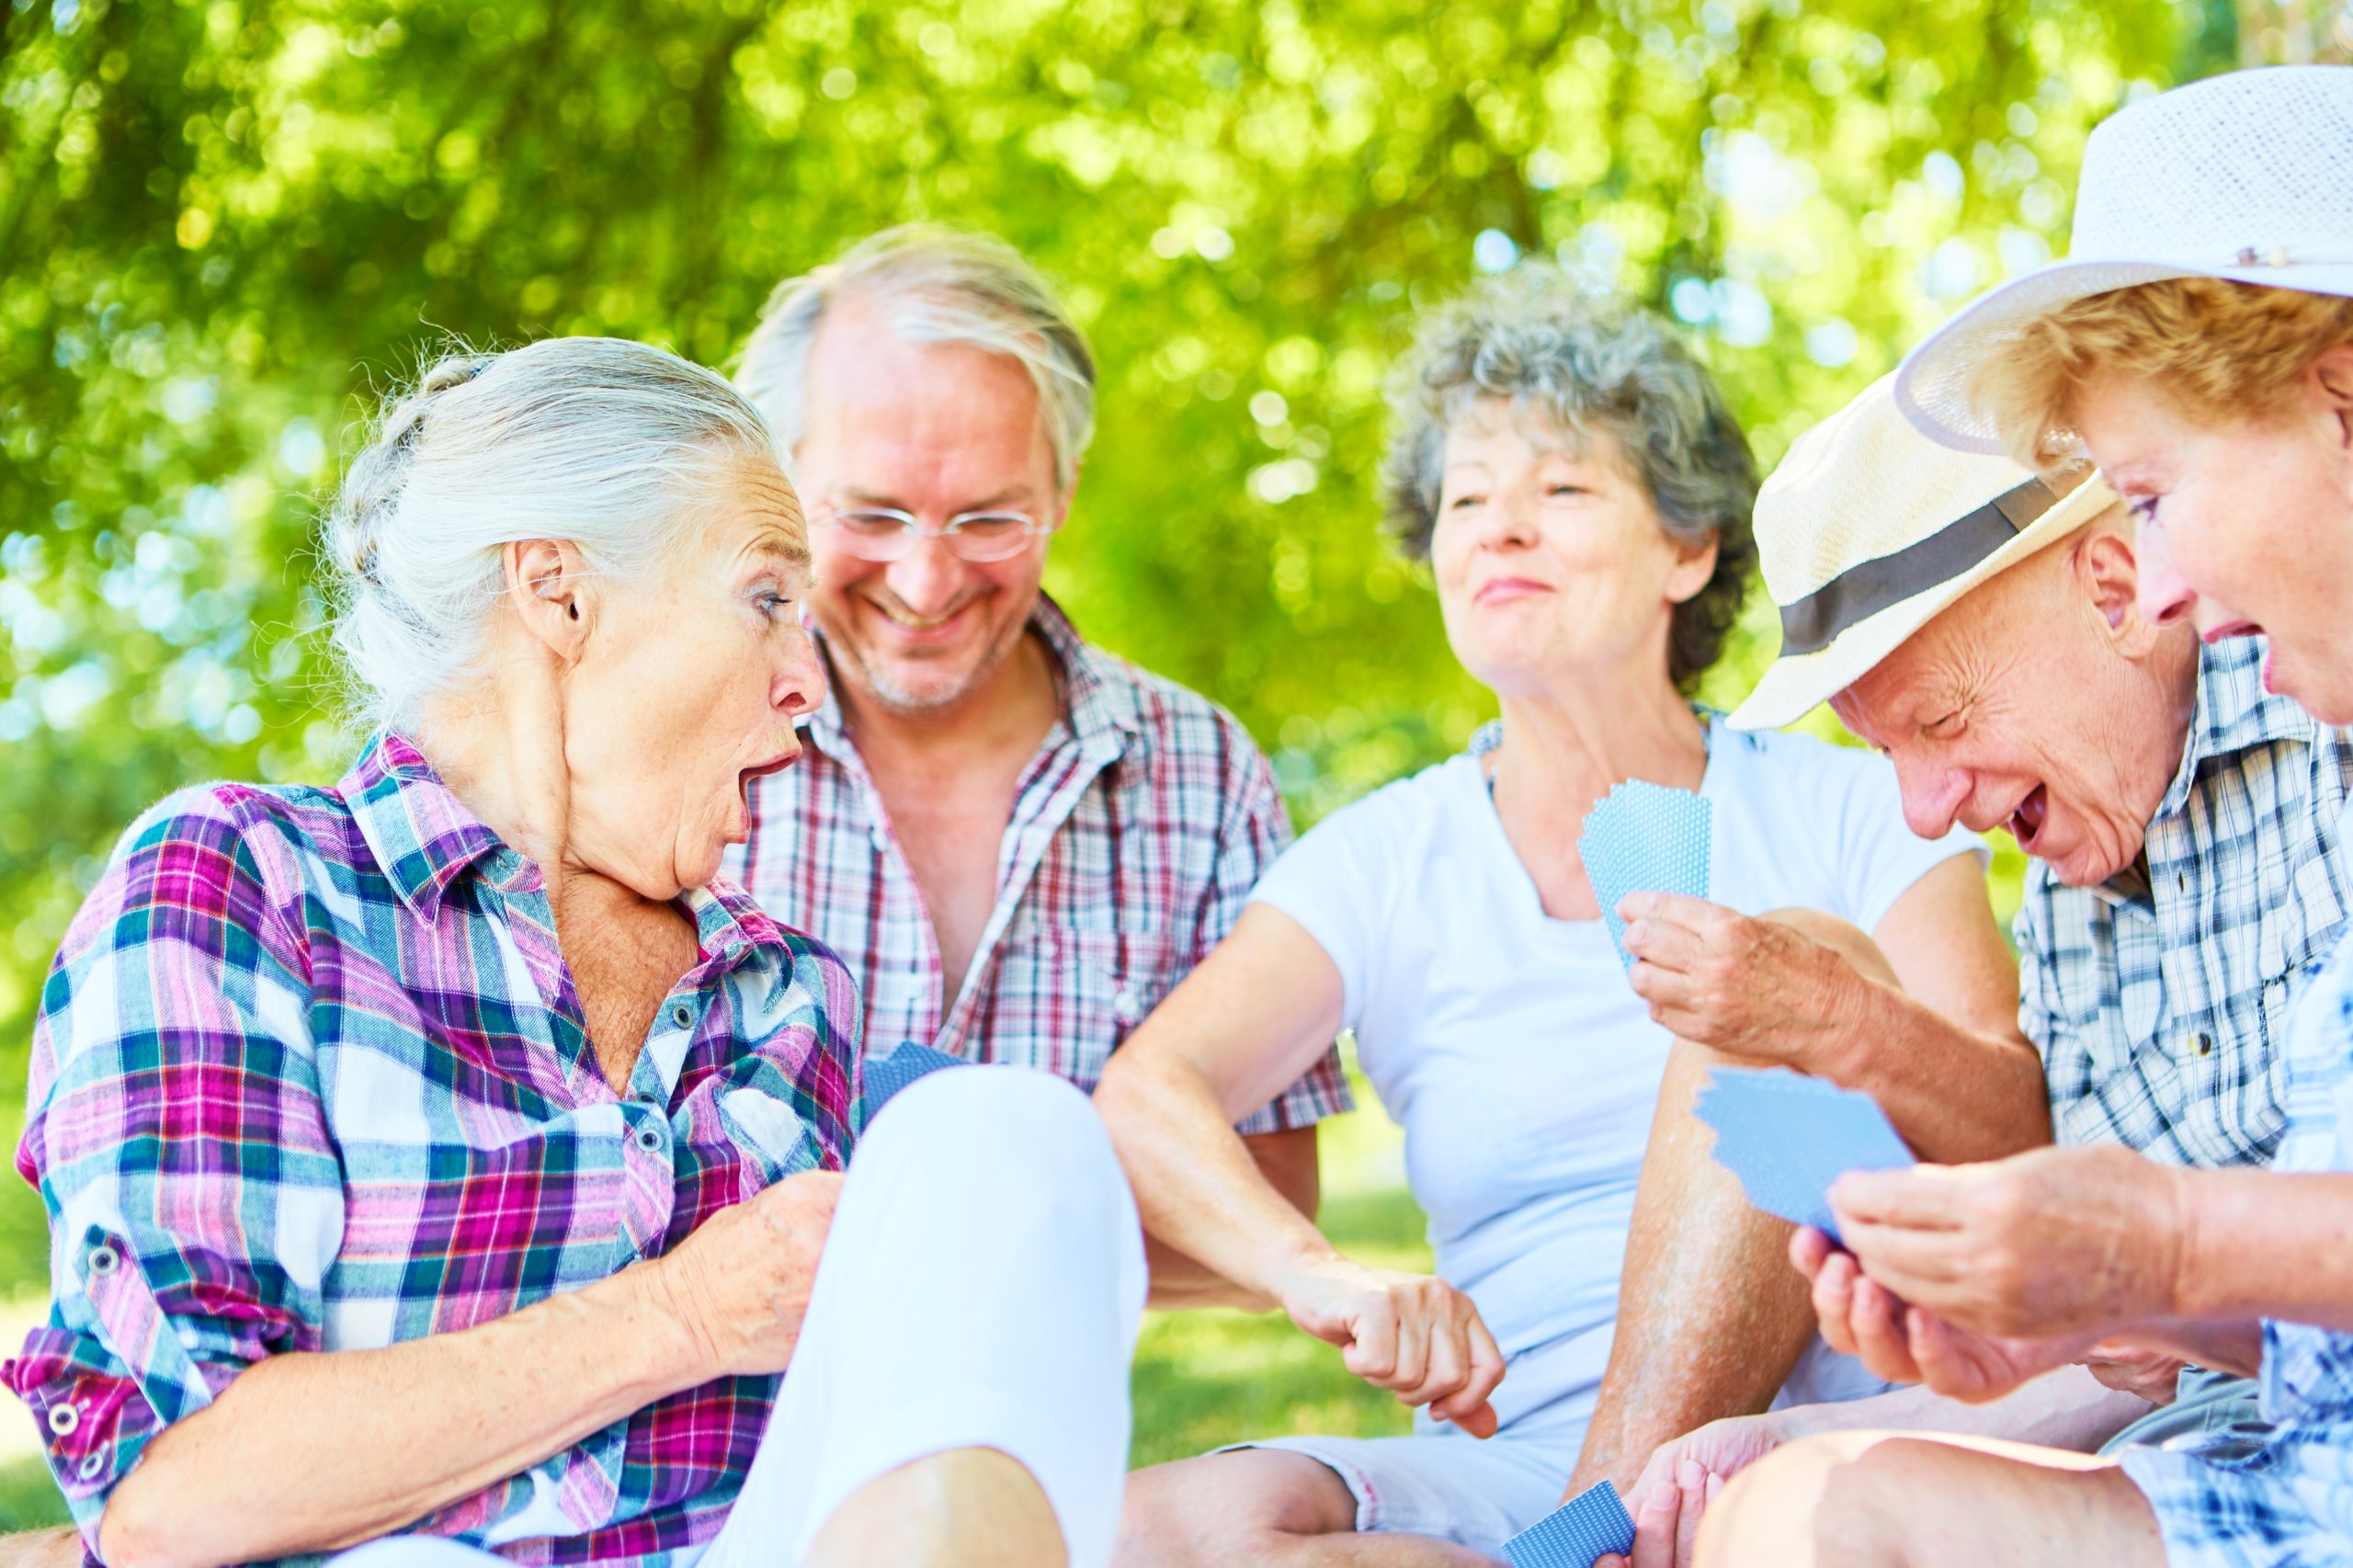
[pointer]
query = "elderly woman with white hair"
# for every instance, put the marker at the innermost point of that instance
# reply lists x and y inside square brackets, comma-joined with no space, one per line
[1582,495]
[449,1151]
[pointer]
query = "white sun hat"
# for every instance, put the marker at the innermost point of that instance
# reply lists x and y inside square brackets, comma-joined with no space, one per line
[1869,529]
[2246,176]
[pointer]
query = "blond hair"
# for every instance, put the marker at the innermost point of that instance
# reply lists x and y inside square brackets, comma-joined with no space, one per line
[2216,350]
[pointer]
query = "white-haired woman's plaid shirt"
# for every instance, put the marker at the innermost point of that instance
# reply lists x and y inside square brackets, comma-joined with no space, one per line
[1137,834]
[2159,1000]
[2288,1503]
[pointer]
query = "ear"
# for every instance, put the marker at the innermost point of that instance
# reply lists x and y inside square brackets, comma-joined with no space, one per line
[1694,565]
[549,591]
[2332,380]
[2107,572]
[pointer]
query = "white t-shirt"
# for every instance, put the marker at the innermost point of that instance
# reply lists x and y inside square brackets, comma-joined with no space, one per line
[1508,1045]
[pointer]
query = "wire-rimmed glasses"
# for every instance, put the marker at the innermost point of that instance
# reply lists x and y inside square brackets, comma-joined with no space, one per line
[887,533]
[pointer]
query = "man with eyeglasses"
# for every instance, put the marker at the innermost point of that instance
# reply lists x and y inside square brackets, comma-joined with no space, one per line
[1018,842]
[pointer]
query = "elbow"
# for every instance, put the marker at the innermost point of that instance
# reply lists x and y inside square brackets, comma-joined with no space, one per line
[138,1530]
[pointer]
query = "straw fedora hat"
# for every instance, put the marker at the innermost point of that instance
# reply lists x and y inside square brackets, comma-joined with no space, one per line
[1869,529]
[2246,176]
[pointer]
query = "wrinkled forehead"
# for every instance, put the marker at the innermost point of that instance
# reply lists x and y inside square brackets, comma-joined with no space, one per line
[1923,669]
[753,509]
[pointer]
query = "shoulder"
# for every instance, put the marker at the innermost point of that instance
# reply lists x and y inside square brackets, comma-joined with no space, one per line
[1409,809]
[1175,722]
[1786,774]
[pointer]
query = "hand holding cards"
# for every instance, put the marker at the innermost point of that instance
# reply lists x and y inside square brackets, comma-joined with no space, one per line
[1644,838]
[1787,1137]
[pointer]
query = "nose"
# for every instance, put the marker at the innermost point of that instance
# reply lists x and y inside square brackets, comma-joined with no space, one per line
[1933,794]
[2164,595]
[927,578]
[1512,520]
[798,686]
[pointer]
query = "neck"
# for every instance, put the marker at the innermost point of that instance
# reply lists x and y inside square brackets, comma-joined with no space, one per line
[499,748]
[1572,742]
[1012,706]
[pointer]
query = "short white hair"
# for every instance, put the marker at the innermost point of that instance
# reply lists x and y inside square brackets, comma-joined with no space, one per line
[930,285]
[608,445]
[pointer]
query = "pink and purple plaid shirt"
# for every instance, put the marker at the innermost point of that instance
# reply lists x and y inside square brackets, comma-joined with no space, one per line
[310,1074]
[1138,832]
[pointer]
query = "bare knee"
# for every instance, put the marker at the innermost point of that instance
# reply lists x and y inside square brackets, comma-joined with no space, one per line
[962,1508]
[1850,942]
[1828,1501]
[1235,1508]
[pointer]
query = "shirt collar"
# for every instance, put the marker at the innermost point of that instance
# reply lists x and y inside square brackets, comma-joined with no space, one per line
[2233,714]
[420,833]
[1099,700]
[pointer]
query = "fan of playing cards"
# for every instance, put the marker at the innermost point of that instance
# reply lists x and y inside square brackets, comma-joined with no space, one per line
[1644,837]
[1787,1137]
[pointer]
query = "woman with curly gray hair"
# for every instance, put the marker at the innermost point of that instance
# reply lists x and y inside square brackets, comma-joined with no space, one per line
[1582,496]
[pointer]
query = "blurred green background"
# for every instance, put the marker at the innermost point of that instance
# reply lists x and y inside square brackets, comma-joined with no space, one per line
[223,224]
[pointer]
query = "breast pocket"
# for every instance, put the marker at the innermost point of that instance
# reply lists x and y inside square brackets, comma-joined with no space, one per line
[1087,991]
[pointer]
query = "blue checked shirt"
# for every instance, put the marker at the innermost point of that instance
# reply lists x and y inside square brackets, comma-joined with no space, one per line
[2290,1504]
[2159,999]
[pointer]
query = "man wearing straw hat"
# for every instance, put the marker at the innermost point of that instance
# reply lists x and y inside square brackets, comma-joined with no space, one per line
[1978,623]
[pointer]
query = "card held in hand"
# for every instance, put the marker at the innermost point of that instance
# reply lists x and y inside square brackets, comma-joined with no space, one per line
[1787,1137]
[1644,838]
[1586,1526]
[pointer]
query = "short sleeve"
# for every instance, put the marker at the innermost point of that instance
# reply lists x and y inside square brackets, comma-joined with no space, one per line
[1341,882]
[1255,833]
[178,1140]
[1879,858]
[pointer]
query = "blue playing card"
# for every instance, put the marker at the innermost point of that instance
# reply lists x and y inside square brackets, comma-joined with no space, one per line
[1787,1137]
[886,1075]
[1573,1535]
[1644,838]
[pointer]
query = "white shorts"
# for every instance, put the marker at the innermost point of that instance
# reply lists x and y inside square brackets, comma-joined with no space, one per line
[1476,1491]
[981,1288]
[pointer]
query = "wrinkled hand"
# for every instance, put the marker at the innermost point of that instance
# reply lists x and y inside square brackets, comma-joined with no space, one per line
[2050,1241]
[1413,1335]
[2147,1371]
[1905,1344]
[1756,990]
[739,1286]
[1683,1477]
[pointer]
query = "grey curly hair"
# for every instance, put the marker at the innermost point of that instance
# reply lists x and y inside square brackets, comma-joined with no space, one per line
[607,444]
[1552,348]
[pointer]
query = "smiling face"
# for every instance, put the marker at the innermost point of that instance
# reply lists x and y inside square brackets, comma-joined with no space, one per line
[1550,561]
[2245,526]
[686,686]
[934,430]
[2039,701]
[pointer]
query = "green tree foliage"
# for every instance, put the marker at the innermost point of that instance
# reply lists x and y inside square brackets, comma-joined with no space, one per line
[223,221]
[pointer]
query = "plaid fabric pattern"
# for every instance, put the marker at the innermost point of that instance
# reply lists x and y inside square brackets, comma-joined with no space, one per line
[1137,834]
[2290,1505]
[2160,999]
[309,1073]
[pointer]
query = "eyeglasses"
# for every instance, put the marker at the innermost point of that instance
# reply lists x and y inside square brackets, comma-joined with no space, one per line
[886,533]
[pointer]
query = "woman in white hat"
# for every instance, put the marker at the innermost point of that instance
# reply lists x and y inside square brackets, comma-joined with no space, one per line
[2199,345]
[1583,498]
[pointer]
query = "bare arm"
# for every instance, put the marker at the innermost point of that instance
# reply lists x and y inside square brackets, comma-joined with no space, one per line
[1249,1019]
[441,1418]
[1288,1161]
[1922,1015]
[2265,1245]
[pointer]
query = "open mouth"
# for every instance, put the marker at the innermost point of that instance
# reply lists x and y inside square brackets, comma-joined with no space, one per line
[2026,821]
[2235,628]
[744,777]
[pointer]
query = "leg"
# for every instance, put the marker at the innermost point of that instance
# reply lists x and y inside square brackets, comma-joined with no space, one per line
[966,1351]
[1711,1316]
[974,1506]
[1901,1500]
[41,1548]
[1262,1506]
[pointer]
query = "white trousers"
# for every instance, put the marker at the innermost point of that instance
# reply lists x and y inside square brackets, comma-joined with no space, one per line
[981,1288]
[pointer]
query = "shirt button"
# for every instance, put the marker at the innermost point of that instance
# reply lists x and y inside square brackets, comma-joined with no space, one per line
[2205,1045]
[104,1260]
[682,1014]
[64,1419]
[92,1462]
[649,1137]
[1126,1004]
[879,839]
